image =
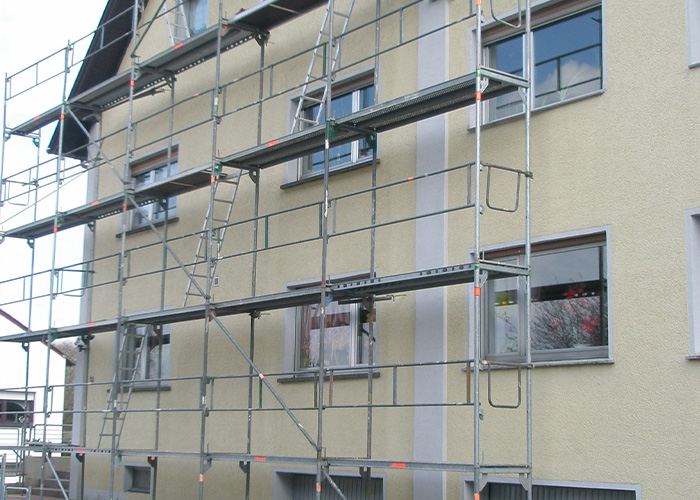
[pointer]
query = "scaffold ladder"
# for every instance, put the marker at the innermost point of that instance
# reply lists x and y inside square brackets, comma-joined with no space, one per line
[176,20]
[221,215]
[321,42]
[133,344]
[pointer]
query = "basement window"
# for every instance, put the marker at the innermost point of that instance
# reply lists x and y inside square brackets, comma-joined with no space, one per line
[137,479]
[500,488]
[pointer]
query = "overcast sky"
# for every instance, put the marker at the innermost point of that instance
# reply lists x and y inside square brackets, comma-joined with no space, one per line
[29,31]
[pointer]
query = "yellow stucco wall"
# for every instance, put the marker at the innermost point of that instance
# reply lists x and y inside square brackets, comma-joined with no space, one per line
[622,160]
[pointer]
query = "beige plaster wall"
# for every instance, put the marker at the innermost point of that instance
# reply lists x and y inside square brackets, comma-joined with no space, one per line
[622,160]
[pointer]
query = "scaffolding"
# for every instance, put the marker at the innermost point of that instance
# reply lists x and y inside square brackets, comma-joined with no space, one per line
[80,110]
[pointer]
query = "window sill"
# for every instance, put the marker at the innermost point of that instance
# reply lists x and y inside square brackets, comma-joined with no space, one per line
[147,386]
[365,162]
[536,111]
[141,229]
[693,357]
[359,373]
[495,365]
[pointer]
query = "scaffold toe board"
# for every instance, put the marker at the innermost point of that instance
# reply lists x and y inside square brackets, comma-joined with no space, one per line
[441,98]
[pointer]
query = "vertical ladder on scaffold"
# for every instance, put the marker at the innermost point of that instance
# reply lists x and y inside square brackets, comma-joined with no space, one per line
[220,211]
[133,344]
[176,21]
[321,43]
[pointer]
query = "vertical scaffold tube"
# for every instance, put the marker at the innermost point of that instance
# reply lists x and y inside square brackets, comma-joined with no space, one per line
[126,184]
[477,250]
[328,64]
[528,246]
[52,281]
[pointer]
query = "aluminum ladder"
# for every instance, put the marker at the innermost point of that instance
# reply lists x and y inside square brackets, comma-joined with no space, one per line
[178,31]
[221,215]
[300,121]
[133,344]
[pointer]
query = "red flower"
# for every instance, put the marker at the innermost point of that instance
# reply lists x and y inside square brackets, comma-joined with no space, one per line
[590,325]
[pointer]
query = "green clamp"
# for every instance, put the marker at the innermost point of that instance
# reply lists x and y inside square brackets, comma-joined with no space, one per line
[217,167]
[371,140]
[331,128]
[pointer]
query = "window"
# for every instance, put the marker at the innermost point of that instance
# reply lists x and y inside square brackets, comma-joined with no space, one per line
[302,486]
[692,228]
[567,58]
[147,171]
[142,361]
[692,21]
[346,336]
[137,479]
[346,99]
[498,488]
[569,318]
[196,15]
[13,412]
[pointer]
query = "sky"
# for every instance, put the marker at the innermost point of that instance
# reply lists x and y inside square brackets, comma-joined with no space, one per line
[30,31]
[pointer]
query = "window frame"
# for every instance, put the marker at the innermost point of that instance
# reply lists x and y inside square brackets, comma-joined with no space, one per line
[129,475]
[543,246]
[291,334]
[544,14]
[149,166]
[692,238]
[354,85]
[192,10]
[28,411]
[142,380]
[692,28]
[356,329]
[468,486]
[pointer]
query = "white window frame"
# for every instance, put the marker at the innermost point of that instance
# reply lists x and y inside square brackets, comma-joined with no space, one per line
[354,310]
[692,232]
[692,28]
[352,83]
[292,330]
[148,166]
[602,354]
[543,13]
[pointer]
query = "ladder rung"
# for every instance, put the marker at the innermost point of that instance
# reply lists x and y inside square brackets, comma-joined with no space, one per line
[341,14]
[234,180]
[312,99]
[306,120]
[221,200]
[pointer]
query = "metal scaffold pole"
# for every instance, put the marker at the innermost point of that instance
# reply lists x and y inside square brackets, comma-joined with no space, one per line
[328,65]
[255,176]
[370,305]
[528,247]
[477,251]
[126,187]
[204,462]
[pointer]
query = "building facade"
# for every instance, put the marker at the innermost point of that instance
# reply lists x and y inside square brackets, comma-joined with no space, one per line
[481,212]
